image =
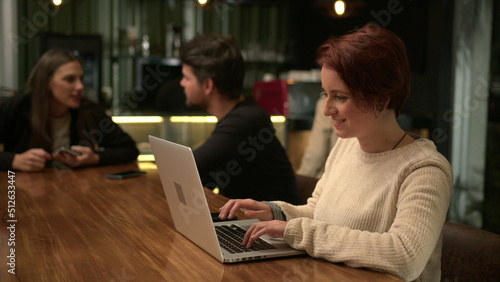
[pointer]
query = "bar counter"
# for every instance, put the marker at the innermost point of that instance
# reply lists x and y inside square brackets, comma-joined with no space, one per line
[78,225]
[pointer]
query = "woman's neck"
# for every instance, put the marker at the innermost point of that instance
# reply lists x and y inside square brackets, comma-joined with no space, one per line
[58,111]
[388,136]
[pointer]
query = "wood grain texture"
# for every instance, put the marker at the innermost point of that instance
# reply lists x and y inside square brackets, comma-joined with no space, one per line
[77,225]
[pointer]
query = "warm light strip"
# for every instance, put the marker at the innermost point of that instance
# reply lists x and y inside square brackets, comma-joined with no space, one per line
[137,119]
[197,119]
[212,119]
[147,165]
[278,119]
[146,158]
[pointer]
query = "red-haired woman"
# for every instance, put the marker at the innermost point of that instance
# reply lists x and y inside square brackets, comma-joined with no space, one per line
[383,199]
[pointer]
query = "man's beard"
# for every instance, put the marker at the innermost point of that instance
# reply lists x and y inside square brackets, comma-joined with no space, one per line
[199,106]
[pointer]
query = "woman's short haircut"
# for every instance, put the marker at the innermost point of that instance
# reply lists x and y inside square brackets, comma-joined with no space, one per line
[373,64]
[219,58]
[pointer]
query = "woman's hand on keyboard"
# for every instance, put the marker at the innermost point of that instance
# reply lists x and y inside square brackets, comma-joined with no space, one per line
[273,228]
[251,208]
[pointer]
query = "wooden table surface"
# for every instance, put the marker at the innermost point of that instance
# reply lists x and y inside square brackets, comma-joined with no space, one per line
[77,225]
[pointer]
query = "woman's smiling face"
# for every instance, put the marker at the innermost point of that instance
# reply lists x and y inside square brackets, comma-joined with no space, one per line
[348,118]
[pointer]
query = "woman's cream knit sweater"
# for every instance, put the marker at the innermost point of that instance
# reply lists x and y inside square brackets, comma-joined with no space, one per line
[383,211]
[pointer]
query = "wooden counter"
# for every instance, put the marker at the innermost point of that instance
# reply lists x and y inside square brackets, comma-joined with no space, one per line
[77,225]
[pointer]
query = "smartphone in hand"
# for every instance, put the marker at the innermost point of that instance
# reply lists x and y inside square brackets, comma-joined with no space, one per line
[67,152]
[125,174]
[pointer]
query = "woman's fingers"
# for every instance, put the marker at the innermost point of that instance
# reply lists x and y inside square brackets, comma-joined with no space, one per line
[274,228]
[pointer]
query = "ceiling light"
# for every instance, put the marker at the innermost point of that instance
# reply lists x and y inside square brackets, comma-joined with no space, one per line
[339,7]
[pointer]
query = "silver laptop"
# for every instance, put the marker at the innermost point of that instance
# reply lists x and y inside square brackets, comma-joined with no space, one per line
[191,215]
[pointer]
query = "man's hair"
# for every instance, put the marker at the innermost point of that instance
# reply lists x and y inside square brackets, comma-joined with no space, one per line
[217,57]
[372,63]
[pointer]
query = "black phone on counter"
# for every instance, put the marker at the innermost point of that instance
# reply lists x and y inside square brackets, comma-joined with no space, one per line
[125,174]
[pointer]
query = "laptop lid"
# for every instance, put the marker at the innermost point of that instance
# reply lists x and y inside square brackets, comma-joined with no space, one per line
[181,184]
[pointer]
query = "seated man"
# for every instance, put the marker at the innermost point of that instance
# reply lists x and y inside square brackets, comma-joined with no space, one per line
[242,157]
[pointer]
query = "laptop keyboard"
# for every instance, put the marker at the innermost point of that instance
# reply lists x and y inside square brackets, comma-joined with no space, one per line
[231,236]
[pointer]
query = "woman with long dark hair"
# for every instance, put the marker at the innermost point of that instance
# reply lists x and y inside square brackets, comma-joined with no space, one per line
[51,114]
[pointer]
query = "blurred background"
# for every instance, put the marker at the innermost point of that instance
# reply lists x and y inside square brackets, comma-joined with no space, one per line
[130,53]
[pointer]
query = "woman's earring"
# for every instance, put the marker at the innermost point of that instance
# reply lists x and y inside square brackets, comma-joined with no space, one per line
[379,107]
